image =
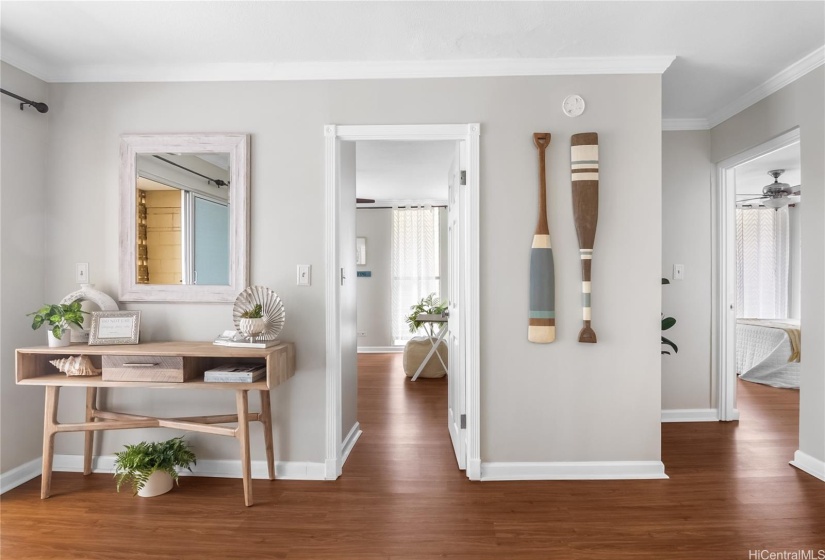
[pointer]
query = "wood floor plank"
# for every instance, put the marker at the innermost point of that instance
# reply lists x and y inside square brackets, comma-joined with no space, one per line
[402,497]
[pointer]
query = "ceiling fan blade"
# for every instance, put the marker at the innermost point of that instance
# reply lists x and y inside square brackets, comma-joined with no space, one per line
[364,200]
[749,199]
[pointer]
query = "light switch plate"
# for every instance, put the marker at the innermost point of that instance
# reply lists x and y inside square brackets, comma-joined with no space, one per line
[678,272]
[81,273]
[304,274]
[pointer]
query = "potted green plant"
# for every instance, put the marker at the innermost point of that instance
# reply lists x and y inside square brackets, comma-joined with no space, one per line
[58,317]
[252,321]
[668,322]
[151,467]
[417,348]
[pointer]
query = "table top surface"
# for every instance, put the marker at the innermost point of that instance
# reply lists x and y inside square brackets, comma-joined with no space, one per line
[196,349]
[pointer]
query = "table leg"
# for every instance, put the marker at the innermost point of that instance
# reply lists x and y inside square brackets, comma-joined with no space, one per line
[242,401]
[49,424]
[91,405]
[266,421]
[432,351]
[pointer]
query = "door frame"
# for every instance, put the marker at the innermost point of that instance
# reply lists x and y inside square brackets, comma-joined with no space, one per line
[725,261]
[334,134]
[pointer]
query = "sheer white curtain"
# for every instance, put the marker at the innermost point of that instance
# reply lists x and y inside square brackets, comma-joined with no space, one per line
[762,263]
[415,263]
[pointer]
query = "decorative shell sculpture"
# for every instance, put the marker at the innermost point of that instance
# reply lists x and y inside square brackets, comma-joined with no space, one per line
[75,365]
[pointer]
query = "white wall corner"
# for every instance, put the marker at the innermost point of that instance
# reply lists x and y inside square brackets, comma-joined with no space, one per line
[285,470]
[810,465]
[585,470]
[349,443]
[770,86]
[690,415]
[671,125]
[19,475]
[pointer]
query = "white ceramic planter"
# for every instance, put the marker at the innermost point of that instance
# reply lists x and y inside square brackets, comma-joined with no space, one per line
[252,327]
[65,340]
[160,482]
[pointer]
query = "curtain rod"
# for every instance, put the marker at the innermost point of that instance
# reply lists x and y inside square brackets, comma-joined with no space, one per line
[218,182]
[41,107]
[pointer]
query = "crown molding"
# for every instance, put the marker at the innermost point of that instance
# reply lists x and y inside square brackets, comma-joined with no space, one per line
[669,125]
[336,70]
[772,85]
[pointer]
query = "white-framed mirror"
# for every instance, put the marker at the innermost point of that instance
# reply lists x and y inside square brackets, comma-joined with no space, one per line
[184,217]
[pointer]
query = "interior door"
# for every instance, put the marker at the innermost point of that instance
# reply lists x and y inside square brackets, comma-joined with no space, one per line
[210,240]
[455,278]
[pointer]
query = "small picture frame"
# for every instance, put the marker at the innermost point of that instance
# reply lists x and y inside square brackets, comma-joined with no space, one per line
[360,251]
[114,327]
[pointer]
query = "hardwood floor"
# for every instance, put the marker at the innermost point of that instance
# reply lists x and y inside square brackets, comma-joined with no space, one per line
[730,490]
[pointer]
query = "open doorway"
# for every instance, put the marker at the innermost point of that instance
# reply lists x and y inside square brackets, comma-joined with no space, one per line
[760,264]
[461,278]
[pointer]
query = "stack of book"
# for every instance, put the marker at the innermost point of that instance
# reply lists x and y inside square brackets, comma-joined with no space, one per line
[237,340]
[235,373]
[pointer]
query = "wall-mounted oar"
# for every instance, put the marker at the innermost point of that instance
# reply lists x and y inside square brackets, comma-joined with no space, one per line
[542,327]
[584,160]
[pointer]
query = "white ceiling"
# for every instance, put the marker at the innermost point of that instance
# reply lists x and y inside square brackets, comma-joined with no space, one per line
[408,171]
[723,49]
[752,176]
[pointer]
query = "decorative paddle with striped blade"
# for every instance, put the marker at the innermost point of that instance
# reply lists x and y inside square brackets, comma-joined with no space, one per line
[542,328]
[584,163]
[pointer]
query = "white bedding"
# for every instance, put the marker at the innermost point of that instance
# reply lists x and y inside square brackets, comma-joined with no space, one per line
[762,356]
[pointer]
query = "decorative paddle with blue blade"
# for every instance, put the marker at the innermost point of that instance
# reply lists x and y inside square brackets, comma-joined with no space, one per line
[584,163]
[542,328]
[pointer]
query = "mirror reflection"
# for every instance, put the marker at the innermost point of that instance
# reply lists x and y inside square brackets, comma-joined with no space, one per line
[183,218]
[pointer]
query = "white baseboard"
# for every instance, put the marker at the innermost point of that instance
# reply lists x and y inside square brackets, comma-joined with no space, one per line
[690,415]
[810,465]
[586,470]
[18,475]
[474,469]
[349,442]
[380,349]
[286,470]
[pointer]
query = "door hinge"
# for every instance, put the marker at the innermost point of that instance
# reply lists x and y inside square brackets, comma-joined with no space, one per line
[463,421]
[463,178]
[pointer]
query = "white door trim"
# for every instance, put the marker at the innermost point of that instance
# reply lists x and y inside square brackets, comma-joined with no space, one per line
[724,316]
[333,135]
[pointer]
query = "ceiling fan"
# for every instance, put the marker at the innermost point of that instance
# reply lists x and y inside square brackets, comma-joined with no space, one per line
[364,200]
[776,195]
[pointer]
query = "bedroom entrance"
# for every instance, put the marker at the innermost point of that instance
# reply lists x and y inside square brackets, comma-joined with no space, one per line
[427,243]
[760,275]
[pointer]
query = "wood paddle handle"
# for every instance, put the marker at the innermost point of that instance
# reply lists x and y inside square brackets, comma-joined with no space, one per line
[584,163]
[542,140]
[542,325]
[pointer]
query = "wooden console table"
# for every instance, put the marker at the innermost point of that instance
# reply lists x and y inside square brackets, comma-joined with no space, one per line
[33,368]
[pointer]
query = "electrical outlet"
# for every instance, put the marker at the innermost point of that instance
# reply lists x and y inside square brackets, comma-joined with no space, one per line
[81,273]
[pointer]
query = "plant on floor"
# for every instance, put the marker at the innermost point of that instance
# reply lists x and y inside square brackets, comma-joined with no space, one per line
[58,316]
[137,463]
[429,305]
[668,322]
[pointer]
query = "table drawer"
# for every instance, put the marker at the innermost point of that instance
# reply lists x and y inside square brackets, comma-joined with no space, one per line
[171,369]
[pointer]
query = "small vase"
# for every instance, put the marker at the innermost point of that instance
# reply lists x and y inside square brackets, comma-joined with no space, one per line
[64,340]
[251,328]
[160,482]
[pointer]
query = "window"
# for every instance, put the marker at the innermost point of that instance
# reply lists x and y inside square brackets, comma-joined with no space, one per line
[762,248]
[415,263]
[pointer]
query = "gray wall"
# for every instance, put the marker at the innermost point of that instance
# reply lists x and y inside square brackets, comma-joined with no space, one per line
[375,293]
[22,268]
[686,239]
[802,104]
[560,402]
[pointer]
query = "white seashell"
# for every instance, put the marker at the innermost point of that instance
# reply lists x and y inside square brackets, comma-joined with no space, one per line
[75,365]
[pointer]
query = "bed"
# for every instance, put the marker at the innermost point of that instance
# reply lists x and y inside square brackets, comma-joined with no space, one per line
[768,351]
